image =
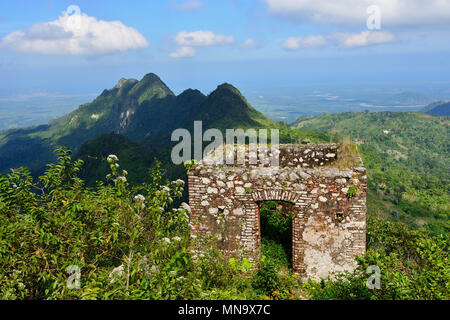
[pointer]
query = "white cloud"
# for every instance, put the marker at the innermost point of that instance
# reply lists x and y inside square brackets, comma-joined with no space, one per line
[294,43]
[187,5]
[183,52]
[365,38]
[202,39]
[346,40]
[187,40]
[354,12]
[248,44]
[77,34]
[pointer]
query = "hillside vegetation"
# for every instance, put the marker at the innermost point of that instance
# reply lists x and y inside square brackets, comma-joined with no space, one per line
[407,158]
[60,240]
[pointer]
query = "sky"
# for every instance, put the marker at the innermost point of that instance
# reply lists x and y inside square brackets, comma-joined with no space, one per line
[85,46]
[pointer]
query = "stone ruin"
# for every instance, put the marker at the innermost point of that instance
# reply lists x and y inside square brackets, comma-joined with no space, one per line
[329,206]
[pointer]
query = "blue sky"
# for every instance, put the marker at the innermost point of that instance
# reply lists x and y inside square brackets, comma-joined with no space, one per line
[202,43]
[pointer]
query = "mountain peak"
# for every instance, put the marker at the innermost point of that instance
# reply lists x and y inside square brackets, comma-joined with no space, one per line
[191,92]
[226,85]
[151,77]
[226,88]
[151,86]
[120,83]
[123,81]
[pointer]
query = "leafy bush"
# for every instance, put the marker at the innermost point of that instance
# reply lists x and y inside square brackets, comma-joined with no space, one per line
[127,242]
[275,252]
[266,280]
[276,232]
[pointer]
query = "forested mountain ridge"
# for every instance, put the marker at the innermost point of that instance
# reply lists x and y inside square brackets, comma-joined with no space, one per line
[145,111]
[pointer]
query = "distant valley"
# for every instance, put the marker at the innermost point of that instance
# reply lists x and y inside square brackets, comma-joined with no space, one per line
[279,103]
[25,110]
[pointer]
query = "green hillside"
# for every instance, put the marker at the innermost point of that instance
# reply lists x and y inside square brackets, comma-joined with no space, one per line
[407,157]
[440,108]
[136,158]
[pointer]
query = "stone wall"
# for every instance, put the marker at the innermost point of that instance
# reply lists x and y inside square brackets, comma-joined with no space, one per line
[329,219]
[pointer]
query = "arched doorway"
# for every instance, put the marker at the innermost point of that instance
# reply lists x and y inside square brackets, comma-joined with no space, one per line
[276,232]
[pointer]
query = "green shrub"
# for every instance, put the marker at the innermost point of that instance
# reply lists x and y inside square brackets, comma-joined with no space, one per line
[127,242]
[275,252]
[276,232]
[266,279]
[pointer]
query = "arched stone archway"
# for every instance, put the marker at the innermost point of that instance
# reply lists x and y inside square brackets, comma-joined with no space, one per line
[328,224]
[297,219]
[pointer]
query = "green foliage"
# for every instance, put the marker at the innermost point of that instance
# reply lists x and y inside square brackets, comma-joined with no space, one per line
[351,192]
[189,164]
[276,232]
[128,242]
[407,167]
[266,279]
[277,253]
[134,156]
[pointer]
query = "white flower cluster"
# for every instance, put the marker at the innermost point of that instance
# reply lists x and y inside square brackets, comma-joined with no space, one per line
[139,197]
[179,182]
[186,207]
[154,269]
[112,158]
[116,273]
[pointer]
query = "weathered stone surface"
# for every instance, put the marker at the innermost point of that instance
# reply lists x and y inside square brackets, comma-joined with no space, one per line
[304,175]
[331,173]
[328,226]
[346,174]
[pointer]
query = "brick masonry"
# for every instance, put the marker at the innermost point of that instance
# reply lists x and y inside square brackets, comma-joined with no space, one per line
[329,225]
